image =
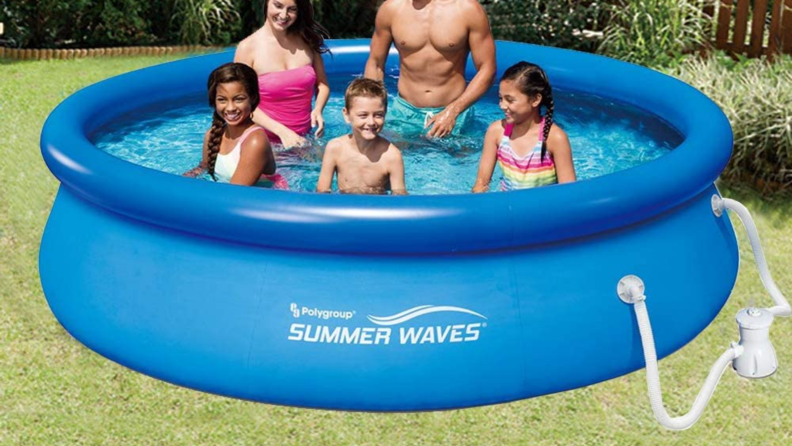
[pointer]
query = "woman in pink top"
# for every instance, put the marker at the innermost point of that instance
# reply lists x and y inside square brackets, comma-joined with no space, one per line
[287,55]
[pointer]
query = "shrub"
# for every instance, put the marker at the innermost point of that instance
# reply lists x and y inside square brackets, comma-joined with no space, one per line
[206,22]
[42,23]
[655,33]
[346,18]
[755,95]
[114,23]
[558,23]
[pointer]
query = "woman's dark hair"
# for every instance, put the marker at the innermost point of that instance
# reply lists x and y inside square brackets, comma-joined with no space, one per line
[311,32]
[531,80]
[230,72]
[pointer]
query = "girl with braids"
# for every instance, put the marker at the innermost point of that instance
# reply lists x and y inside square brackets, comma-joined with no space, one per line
[287,55]
[235,150]
[529,148]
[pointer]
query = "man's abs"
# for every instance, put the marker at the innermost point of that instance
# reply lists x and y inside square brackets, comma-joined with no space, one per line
[429,82]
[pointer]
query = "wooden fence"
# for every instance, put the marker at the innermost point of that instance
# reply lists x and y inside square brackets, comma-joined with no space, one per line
[768,36]
[46,54]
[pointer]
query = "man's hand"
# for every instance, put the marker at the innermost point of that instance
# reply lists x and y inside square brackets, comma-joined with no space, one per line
[442,123]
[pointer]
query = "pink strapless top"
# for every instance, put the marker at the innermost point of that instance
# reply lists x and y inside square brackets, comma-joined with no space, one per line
[286,97]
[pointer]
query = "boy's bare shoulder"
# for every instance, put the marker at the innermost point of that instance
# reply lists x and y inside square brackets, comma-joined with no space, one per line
[390,151]
[336,145]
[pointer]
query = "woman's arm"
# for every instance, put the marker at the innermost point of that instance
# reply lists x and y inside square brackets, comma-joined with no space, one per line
[558,146]
[489,156]
[322,95]
[255,158]
[288,137]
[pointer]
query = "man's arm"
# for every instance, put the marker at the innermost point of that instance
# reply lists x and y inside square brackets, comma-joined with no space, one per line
[482,49]
[380,43]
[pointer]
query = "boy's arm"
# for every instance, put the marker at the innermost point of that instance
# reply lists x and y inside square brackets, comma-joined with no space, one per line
[380,44]
[558,146]
[489,156]
[325,182]
[396,172]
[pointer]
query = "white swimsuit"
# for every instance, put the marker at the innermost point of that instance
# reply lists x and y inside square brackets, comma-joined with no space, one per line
[226,165]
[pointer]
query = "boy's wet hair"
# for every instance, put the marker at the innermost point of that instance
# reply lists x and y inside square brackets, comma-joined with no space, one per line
[531,80]
[365,88]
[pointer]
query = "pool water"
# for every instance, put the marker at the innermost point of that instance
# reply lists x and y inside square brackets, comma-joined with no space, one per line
[605,136]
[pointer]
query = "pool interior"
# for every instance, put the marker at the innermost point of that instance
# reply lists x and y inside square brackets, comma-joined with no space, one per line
[606,136]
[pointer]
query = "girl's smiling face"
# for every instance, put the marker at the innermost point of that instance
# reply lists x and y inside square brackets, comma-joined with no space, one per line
[232,103]
[281,13]
[516,105]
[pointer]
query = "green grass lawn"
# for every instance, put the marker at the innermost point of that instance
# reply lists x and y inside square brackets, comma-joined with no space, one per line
[55,391]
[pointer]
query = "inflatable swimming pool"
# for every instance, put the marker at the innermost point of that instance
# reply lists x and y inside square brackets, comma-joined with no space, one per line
[384,303]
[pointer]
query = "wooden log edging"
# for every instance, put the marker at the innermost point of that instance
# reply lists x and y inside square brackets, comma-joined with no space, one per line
[129,51]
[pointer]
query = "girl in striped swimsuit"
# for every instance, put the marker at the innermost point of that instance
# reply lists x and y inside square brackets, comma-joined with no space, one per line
[529,148]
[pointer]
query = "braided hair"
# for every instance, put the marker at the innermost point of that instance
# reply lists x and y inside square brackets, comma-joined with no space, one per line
[230,72]
[309,29]
[531,80]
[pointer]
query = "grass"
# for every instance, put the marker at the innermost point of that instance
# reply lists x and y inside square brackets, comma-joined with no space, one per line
[54,391]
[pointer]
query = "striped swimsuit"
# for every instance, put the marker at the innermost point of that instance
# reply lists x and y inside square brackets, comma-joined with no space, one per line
[528,171]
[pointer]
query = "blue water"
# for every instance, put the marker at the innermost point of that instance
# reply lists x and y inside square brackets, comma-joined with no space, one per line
[606,137]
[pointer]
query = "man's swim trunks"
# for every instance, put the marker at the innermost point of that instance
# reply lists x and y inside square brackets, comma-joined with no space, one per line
[408,120]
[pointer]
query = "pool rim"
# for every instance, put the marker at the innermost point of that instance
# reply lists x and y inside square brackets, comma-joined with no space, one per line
[395,225]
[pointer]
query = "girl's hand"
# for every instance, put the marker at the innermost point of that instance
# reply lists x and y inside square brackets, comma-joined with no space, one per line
[194,172]
[291,139]
[317,121]
[480,186]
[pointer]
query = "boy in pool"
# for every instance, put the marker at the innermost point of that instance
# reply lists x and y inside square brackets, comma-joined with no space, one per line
[365,162]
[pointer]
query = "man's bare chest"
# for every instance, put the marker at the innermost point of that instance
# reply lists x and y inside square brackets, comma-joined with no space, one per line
[444,35]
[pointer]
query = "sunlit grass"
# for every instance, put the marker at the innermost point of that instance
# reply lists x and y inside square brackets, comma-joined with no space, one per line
[53,391]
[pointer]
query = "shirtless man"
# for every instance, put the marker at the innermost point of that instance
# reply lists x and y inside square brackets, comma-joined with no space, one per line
[434,38]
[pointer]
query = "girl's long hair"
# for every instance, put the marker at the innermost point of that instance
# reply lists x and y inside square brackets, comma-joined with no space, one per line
[311,31]
[531,80]
[230,72]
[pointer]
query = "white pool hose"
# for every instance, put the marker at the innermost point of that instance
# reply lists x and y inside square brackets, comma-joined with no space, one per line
[782,307]
[753,357]
[637,297]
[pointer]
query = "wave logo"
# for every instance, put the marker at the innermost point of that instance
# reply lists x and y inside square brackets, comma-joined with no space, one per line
[419,311]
